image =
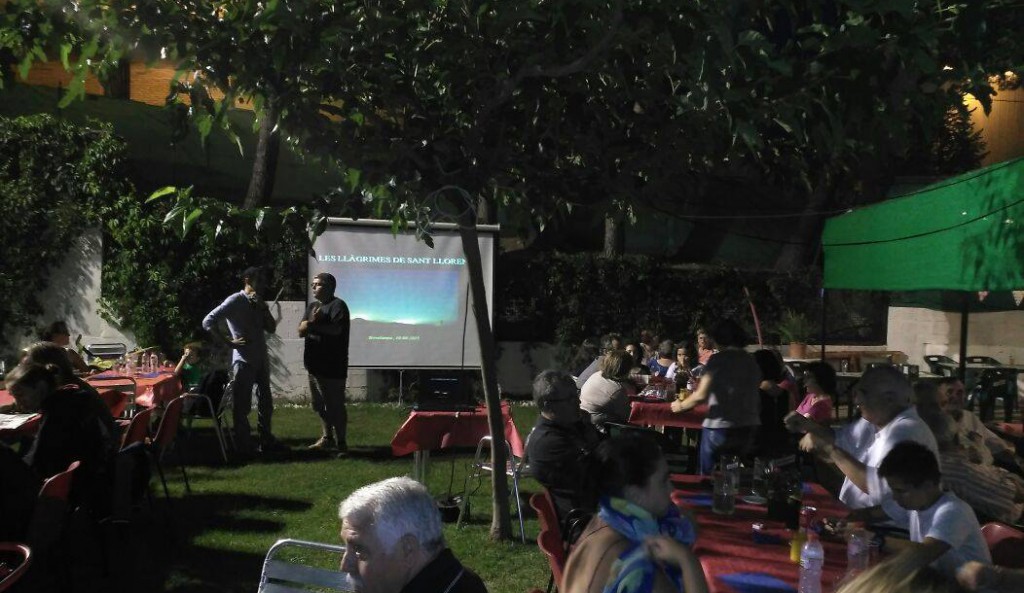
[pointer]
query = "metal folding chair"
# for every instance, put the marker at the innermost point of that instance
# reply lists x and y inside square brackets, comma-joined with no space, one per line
[515,468]
[288,568]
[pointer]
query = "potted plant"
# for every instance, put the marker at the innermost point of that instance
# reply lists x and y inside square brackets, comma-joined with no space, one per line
[795,328]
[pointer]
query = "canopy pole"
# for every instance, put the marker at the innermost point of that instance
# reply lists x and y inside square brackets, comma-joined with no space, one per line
[824,306]
[965,310]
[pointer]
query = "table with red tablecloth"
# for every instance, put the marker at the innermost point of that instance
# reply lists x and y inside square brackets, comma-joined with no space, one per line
[27,427]
[151,389]
[725,544]
[424,431]
[660,414]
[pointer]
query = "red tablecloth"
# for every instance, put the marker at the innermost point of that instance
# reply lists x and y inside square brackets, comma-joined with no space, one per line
[726,546]
[661,414]
[423,431]
[1015,431]
[149,391]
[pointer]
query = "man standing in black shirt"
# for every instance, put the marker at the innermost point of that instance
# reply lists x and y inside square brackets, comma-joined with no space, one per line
[325,328]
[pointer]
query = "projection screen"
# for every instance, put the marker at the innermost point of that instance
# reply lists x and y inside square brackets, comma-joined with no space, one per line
[410,304]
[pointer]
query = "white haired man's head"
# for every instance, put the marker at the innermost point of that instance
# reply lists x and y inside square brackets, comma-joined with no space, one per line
[391,530]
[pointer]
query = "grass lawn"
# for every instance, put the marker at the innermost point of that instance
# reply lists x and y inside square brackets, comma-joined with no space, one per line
[215,538]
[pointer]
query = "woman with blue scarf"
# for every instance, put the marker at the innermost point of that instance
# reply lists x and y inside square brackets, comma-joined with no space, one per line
[638,542]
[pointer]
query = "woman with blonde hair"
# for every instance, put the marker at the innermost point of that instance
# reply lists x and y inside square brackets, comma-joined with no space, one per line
[605,395]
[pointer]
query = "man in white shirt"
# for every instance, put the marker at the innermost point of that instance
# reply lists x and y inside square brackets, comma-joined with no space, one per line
[883,395]
[982,445]
[944,527]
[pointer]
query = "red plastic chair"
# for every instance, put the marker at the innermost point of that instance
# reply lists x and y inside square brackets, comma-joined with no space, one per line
[164,438]
[1005,543]
[8,575]
[549,540]
[138,429]
[49,517]
[116,401]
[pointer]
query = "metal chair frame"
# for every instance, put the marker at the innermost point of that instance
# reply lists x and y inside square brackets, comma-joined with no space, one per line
[190,417]
[283,576]
[515,468]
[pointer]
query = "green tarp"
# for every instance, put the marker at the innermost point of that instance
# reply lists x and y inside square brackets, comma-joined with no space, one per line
[964,233]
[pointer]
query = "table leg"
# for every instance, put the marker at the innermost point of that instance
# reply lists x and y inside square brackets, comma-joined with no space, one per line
[420,466]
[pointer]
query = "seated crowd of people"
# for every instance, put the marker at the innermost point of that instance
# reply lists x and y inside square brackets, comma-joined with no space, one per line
[915,460]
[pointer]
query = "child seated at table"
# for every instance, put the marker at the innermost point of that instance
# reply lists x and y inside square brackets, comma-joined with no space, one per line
[944,527]
[187,368]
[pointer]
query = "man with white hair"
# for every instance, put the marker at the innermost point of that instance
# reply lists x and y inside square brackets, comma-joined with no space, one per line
[393,542]
[883,395]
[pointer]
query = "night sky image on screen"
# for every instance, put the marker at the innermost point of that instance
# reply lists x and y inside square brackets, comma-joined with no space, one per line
[408,297]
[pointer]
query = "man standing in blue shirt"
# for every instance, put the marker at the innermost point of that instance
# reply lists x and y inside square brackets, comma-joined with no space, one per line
[248,317]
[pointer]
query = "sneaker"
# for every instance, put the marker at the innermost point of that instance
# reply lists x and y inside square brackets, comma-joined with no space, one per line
[342,450]
[323,444]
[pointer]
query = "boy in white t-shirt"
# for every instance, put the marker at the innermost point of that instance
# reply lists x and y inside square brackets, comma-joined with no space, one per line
[943,526]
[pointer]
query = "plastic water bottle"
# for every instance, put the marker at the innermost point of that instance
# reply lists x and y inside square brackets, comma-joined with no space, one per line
[812,558]
[129,366]
[857,551]
[154,362]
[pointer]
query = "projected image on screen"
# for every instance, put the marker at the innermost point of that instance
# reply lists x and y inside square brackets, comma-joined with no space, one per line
[408,297]
[408,302]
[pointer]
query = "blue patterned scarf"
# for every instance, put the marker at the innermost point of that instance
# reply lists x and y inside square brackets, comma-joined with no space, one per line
[634,570]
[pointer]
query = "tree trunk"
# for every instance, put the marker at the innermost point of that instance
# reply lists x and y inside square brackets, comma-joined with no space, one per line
[614,234]
[117,84]
[264,166]
[500,524]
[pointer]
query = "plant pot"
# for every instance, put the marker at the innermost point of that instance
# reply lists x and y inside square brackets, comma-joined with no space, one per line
[797,350]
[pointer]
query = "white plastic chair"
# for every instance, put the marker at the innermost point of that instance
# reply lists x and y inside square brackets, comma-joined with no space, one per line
[286,568]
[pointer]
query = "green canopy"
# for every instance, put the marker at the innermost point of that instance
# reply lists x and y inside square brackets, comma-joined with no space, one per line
[964,233]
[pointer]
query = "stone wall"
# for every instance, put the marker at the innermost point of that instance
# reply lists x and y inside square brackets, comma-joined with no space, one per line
[919,332]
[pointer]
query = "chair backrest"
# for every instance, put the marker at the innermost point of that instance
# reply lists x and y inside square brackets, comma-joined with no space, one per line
[997,381]
[287,571]
[23,556]
[138,429]
[115,400]
[549,540]
[168,428]
[59,486]
[50,513]
[936,364]
[982,360]
[1005,543]
[106,350]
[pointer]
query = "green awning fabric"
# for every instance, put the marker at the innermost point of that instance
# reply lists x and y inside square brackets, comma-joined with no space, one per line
[964,233]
